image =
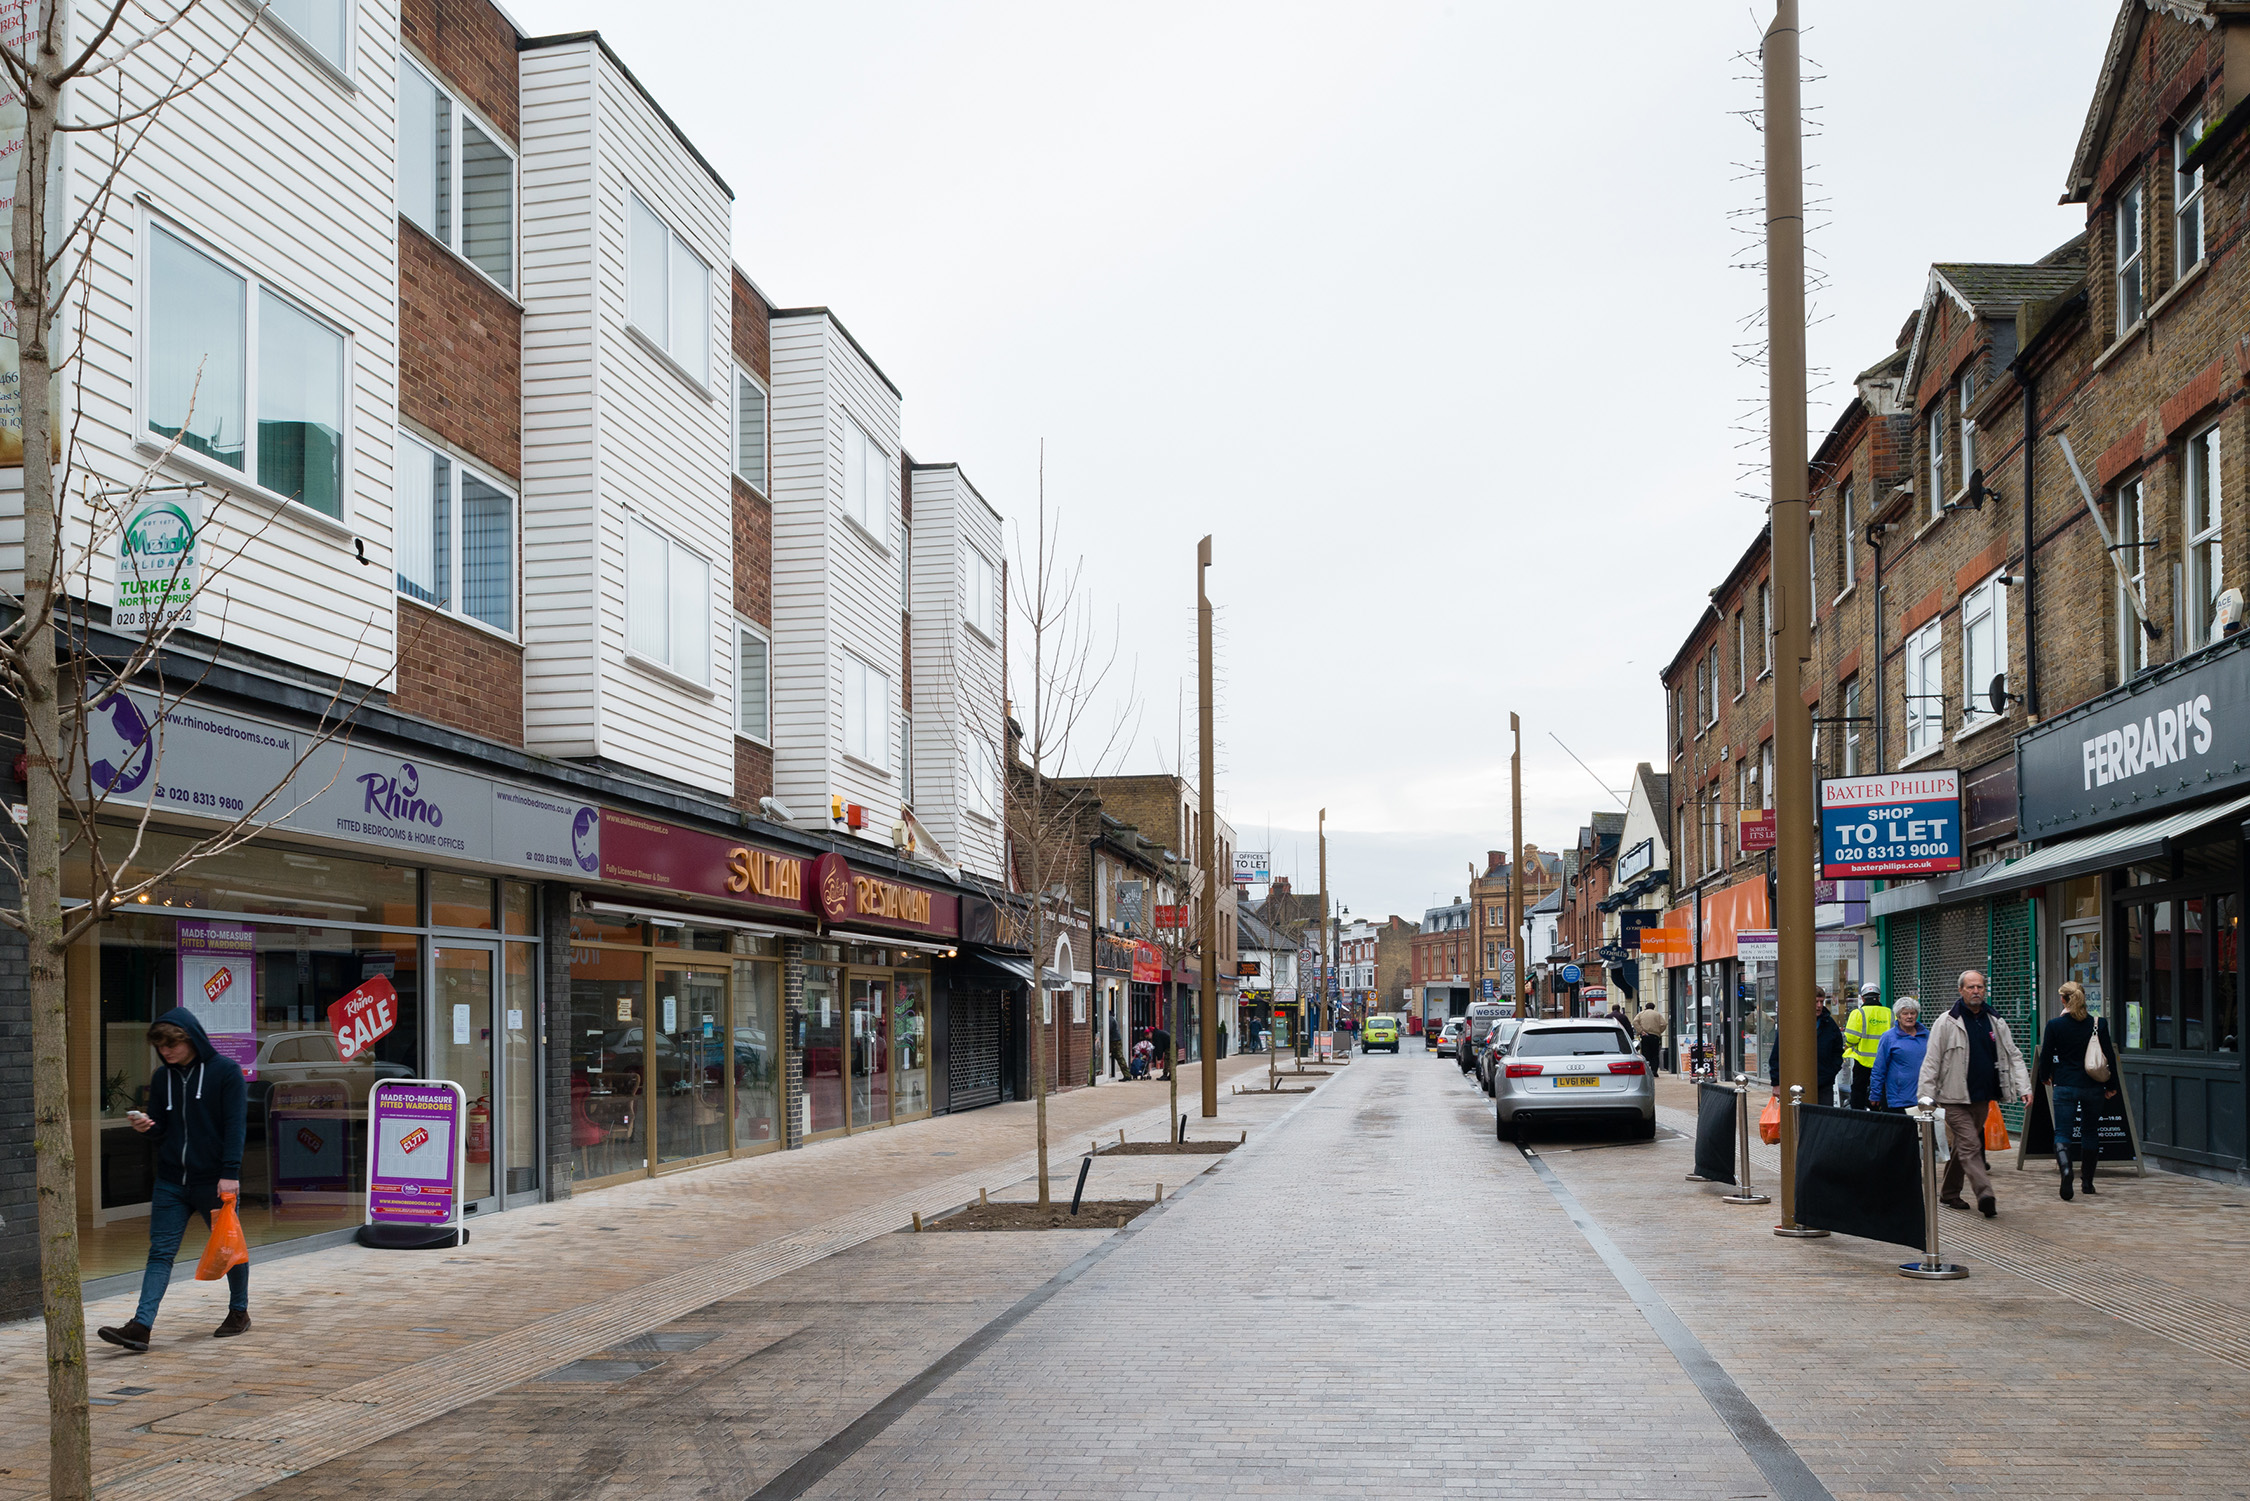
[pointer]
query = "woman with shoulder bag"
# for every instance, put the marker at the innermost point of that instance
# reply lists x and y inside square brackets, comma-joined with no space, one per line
[2077,1056]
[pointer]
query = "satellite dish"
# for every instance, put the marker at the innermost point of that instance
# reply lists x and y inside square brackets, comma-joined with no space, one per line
[1975,498]
[1996,694]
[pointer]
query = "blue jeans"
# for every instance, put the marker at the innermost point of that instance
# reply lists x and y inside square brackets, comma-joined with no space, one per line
[2078,1113]
[168,1213]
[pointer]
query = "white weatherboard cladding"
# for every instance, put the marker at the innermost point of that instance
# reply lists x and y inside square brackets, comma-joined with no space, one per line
[957,690]
[611,429]
[278,170]
[835,589]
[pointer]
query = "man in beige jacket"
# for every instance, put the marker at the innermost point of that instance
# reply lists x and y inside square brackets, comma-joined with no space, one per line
[1648,1029]
[1972,1061]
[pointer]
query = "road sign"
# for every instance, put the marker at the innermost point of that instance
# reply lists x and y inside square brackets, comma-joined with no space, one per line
[1570,975]
[1508,972]
[1489,988]
[1896,824]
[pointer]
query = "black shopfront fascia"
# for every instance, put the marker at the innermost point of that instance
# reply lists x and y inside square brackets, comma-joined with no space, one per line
[2172,741]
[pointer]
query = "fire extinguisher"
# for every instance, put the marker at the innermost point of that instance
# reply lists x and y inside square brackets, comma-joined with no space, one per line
[480,1130]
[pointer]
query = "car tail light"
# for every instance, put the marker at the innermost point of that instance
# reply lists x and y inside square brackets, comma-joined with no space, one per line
[1525,1070]
[1629,1066]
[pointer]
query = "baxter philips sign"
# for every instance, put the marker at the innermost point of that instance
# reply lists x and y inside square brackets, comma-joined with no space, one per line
[1898,824]
[2134,754]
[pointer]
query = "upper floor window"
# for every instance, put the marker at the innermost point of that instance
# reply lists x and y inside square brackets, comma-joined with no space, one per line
[1702,696]
[1847,538]
[1713,662]
[2187,198]
[1765,774]
[323,25]
[1935,505]
[1765,628]
[667,603]
[1984,649]
[455,524]
[1852,766]
[2206,563]
[2132,281]
[750,429]
[2132,593]
[978,608]
[454,179]
[867,483]
[669,297]
[1968,397]
[1741,653]
[1925,688]
[753,695]
[867,713]
[222,346]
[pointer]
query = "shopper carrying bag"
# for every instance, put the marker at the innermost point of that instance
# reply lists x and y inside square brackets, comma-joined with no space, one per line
[2078,1058]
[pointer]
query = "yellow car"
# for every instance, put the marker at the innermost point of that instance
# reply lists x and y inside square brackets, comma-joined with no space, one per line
[1380,1032]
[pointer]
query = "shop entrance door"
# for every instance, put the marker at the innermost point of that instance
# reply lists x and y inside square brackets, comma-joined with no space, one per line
[688,1078]
[871,1053]
[465,1051]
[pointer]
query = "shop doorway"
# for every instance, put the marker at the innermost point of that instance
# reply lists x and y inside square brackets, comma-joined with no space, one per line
[870,1053]
[688,1076]
[464,986]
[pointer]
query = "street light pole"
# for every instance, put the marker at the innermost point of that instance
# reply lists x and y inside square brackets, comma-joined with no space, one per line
[1322,999]
[1211,888]
[1519,924]
[1794,814]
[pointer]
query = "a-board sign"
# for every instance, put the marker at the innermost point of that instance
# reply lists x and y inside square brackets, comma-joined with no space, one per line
[415,1143]
[1904,823]
[1324,1044]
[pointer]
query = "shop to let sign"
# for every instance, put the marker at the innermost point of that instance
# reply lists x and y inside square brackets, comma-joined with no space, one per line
[1757,828]
[1897,824]
[362,1017]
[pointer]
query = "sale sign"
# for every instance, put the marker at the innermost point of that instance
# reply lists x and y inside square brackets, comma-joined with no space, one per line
[413,1152]
[360,1017]
[1896,824]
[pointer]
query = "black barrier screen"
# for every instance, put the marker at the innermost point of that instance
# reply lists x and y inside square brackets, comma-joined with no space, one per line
[2115,1131]
[1714,1133]
[1859,1172]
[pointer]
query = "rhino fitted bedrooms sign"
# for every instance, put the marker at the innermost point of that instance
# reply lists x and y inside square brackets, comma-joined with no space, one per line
[2139,753]
[206,764]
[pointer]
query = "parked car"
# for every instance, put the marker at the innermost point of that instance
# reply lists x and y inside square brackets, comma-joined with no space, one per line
[1572,1070]
[1481,1017]
[1450,1038]
[1380,1032]
[1496,1043]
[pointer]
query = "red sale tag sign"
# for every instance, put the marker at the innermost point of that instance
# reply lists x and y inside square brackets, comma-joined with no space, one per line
[414,1138]
[360,1017]
[219,984]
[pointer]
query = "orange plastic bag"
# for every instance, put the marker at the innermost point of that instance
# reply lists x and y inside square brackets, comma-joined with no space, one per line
[226,1249]
[1995,1129]
[1769,1120]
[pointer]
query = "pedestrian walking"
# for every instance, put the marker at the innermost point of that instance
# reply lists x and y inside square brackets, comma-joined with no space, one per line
[1898,1058]
[196,1107]
[1971,1063]
[1828,1052]
[1161,1040]
[1649,1027]
[1222,1039]
[1864,1030]
[2065,1048]
[1118,1067]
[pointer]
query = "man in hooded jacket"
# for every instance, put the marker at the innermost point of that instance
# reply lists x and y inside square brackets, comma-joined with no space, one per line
[196,1106]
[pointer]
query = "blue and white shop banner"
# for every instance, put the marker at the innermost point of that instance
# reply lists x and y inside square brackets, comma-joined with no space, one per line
[1901,823]
[201,763]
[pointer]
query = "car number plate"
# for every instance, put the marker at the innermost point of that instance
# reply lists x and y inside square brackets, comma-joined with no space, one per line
[1577,1081]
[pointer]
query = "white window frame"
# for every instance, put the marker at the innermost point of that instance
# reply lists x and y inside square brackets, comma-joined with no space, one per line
[246,478]
[412,448]
[1925,688]
[666,340]
[1936,426]
[340,67]
[670,663]
[1702,694]
[1765,629]
[2132,526]
[864,742]
[746,631]
[2187,200]
[1851,766]
[452,102]
[1741,652]
[1984,610]
[1847,558]
[2129,285]
[2203,498]
[1765,774]
[1966,397]
[1716,686]
[980,588]
[874,516]
[758,481]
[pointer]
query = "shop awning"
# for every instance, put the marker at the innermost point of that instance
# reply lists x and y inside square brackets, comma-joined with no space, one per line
[2147,840]
[1019,970]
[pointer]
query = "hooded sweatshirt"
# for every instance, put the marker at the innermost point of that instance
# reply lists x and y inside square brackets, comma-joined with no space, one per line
[198,1108]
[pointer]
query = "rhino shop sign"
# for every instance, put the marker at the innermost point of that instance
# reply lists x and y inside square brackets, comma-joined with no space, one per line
[2136,754]
[201,763]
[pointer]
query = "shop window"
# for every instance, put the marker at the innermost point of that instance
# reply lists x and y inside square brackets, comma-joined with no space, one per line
[2080,899]
[458,901]
[2195,975]
[688,1067]
[599,927]
[519,909]
[2206,560]
[757,1063]
[608,1062]
[821,1033]
[2225,939]
[674,935]
[255,878]
[910,1035]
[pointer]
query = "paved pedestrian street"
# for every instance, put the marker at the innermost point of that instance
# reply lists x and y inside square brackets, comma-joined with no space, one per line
[1371,1297]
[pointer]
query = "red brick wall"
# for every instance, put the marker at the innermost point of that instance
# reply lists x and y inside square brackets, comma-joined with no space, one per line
[460,368]
[753,555]
[753,326]
[753,772]
[473,48]
[456,675]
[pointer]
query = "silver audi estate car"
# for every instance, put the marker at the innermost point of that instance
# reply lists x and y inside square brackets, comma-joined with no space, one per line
[1572,1071]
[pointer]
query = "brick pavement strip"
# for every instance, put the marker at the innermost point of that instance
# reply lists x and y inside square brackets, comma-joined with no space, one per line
[352,1345]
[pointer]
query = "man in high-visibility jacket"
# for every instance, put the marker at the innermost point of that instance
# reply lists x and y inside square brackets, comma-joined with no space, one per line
[1863,1031]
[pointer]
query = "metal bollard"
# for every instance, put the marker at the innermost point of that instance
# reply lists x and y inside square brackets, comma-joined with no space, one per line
[1746,1193]
[1793,1230]
[1933,1267]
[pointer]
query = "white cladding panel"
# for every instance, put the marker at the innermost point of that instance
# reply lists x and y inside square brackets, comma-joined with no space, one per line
[957,687]
[837,590]
[282,173]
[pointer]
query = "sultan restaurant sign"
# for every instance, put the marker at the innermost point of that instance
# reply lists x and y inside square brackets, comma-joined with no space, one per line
[657,856]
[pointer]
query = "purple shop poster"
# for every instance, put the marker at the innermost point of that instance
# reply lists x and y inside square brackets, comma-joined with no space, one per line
[218,969]
[413,1137]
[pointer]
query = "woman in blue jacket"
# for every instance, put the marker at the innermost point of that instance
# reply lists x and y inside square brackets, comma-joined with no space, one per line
[1898,1058]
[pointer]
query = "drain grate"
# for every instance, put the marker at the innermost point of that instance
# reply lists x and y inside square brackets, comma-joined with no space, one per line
[665,1341]
[131,1391]
[600,1370]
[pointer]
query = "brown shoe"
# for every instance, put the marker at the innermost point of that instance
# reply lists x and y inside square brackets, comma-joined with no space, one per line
[132,1336]
[238,1322]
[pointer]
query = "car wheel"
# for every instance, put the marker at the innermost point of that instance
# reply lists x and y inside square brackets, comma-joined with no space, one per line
[1505,1129]
[1645,1130]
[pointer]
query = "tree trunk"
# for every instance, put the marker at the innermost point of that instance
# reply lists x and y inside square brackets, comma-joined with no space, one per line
[70,1460]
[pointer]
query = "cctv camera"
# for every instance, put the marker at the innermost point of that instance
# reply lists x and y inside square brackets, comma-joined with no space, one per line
[775,810]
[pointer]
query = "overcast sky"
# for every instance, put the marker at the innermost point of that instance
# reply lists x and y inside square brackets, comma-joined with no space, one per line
[1427,312]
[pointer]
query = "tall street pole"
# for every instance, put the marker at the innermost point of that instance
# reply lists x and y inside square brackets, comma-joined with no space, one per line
[1519,926]
[1794,816]
[1323,997]
[1211,887]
